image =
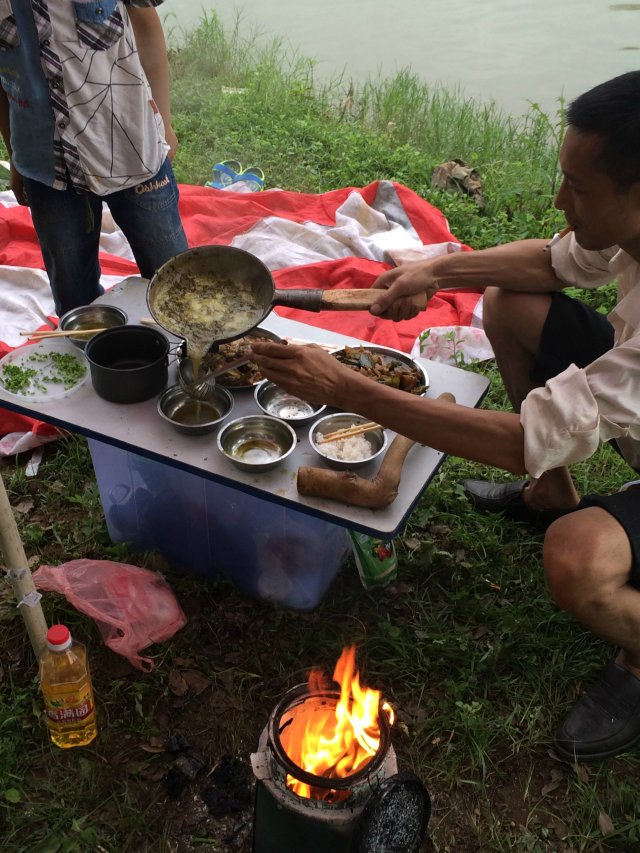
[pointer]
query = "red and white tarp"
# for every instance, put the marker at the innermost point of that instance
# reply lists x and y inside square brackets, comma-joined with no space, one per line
[340,239]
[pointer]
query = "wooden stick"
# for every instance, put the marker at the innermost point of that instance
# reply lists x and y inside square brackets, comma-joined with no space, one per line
[65,333]
[347,487]
[302,342]
[349,432]
[19,574]
[556,239]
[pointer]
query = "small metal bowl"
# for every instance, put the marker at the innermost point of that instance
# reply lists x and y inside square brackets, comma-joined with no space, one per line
[257,442]
[191,416]
[377,438]
[94,316]
[277,402]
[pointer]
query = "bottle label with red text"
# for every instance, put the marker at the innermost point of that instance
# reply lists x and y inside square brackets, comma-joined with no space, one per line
[69,707]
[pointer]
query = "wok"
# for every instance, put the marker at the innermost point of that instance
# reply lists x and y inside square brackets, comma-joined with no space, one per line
[225,271]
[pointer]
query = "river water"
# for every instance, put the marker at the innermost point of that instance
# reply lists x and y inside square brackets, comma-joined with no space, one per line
[511,52]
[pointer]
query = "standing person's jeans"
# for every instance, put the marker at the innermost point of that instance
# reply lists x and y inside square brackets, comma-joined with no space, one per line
[68,227]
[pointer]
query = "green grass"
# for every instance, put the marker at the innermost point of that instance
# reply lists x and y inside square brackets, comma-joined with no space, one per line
[479,662]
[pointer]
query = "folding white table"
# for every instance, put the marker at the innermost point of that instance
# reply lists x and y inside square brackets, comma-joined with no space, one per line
[139,429]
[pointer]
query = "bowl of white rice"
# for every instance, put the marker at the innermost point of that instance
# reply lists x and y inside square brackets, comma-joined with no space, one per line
[345,453]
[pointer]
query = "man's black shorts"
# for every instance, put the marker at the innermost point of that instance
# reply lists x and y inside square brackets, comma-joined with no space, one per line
[575,333]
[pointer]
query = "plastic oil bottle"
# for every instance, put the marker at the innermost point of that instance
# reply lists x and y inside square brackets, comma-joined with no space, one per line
[66,685]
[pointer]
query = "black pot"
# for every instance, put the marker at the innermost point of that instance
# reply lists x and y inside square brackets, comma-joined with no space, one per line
[128,363]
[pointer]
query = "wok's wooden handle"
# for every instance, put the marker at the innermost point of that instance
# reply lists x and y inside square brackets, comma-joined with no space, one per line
[360,300]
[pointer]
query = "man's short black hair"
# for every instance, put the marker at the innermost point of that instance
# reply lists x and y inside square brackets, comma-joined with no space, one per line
[612,110]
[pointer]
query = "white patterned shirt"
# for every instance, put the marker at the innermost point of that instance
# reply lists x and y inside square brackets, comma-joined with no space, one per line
[566,420]
[81,108]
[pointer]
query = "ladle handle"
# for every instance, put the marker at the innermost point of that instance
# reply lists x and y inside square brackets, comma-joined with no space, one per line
[231,365]
[336,300]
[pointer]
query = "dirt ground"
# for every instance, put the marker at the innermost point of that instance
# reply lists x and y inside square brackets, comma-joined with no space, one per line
[183,742]
[207,731]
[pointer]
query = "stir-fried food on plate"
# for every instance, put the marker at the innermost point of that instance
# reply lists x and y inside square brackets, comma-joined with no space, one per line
[384,368]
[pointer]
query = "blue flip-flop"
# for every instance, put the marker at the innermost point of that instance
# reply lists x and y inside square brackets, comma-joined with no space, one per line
[224,173]
[253,176]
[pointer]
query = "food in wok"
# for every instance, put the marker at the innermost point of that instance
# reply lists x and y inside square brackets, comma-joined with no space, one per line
[246,375]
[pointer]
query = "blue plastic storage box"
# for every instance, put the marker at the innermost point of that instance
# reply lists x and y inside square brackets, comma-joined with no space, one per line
[270,552]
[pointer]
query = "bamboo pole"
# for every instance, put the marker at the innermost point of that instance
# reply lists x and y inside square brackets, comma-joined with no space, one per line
[19,574]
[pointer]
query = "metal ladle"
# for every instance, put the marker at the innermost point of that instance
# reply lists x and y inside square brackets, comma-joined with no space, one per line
[201,386]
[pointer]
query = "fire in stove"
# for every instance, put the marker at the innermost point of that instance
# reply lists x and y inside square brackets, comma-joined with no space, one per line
[338,740]
[327,774]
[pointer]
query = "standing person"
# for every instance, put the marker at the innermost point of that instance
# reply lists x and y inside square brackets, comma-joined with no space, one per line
[573,377]
[84,113]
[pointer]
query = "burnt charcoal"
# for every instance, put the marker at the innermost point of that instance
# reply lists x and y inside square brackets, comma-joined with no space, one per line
[191,763]
[175,782]
[229,789]
[220,803]
[232,772]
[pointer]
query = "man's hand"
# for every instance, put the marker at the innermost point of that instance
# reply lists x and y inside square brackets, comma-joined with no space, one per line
[306,371]
[17,185]
[172,141]
[398,285]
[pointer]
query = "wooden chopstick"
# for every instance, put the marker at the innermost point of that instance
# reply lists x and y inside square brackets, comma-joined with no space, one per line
[349,432]
[65,333]
[302,342]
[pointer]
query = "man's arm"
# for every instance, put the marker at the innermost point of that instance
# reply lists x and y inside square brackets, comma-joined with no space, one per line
[524,266]
[5,129]
[152,49]
[15,178]
[491,437]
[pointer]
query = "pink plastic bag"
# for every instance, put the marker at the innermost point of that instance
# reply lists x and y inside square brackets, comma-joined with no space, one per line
[132,607]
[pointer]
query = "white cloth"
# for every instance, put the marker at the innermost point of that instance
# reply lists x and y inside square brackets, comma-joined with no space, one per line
[360,231]
[566,420]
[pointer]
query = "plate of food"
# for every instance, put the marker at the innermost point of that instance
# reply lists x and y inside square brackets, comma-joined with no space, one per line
[246,376]
[44,371]
[387,366]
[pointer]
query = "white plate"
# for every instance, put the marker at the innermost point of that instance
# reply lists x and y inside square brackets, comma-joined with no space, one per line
[390,353]
[43,386]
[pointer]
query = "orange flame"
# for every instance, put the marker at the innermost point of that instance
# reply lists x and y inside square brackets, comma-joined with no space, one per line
[334,741]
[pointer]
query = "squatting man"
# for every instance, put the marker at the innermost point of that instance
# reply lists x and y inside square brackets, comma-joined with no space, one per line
[573,378]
